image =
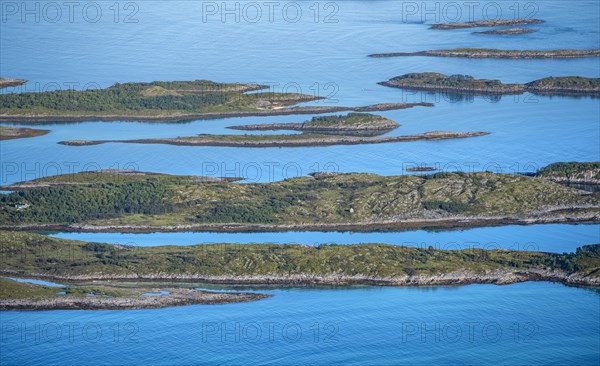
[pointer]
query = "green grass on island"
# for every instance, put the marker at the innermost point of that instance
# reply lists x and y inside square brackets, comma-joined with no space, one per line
[26,254]
[149,202]
[351,121]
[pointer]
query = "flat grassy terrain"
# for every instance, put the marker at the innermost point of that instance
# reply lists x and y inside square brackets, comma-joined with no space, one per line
[139,201]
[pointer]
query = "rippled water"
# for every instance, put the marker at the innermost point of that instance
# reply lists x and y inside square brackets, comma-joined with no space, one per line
[172,42]
[531,323]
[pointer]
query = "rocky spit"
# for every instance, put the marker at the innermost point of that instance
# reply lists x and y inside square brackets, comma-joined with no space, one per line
[494,53]
[293,141]
[8,82]
[176,297]
[486,23]
[507,31]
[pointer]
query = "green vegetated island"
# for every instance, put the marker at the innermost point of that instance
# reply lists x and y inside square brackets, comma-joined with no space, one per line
[163,101]
[142,202]
[352,129]
[495,53]
[112,267]
[431,81]
[10,133]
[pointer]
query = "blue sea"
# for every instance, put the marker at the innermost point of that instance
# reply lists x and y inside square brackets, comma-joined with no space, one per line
[319,48]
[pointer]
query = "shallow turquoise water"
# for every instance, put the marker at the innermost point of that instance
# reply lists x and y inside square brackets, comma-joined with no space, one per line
[540,323]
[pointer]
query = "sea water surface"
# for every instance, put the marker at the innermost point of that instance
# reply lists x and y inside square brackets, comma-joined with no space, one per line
[524,324]
[321,53]
[529,323]
[557,238]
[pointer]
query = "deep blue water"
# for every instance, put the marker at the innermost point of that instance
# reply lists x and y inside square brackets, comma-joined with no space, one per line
[540,323]
[529,323]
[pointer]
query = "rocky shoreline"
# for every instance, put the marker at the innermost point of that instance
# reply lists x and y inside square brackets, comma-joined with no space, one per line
[499,277]
[175,297]
[584,217]
[184,296]
[495,53]
[292,141]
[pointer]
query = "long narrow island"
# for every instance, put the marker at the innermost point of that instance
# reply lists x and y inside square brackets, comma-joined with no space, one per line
[351,129]
[436,82]
[109,201]
[165,102]
[495,53]
[112,267]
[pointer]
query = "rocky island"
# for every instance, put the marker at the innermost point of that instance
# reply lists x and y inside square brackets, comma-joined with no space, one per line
[10,133]
[421,169]
[486,23]
[164,102]
[111,266]
[105,202]
[435,82]
[495,53]
[363,124]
